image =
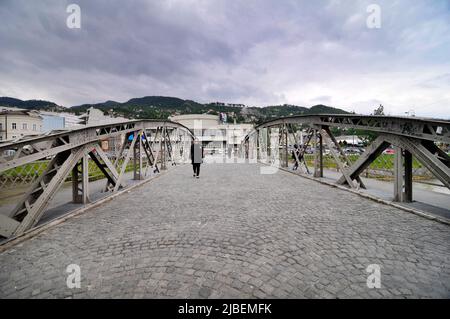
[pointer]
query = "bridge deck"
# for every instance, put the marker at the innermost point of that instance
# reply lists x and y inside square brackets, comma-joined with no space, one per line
[234,233]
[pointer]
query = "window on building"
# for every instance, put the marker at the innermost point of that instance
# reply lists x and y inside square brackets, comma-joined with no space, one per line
[24,126]
[14,126]
[34,127]
[1,126]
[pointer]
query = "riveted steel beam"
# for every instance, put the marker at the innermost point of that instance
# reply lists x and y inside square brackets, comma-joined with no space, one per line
[414,127]
[151,161]
[318,154]
[30,149]
[125,162]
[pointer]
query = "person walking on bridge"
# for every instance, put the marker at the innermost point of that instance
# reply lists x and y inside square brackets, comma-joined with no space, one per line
[296,156]
[196,157]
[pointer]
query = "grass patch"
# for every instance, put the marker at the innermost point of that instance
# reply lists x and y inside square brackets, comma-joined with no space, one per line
[35,169]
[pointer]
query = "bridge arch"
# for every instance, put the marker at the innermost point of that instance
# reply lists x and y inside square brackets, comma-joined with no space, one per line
[146,147]
[410,136]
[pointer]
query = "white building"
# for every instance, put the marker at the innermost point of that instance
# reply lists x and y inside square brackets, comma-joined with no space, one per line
[16,123]
[71,120]
[60,121]
[353,140]
[97,117]
[215,136]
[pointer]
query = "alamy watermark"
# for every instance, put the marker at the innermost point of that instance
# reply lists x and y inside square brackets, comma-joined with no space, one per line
[74,19]
[374,279]
[373,21]
[241,155]
[74,278]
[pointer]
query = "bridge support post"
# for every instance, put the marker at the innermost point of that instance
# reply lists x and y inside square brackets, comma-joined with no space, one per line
[258,145]
[403,175]
[125,161]
[163,149]
[286,154]
[318,155]
[137,158]
[80,181]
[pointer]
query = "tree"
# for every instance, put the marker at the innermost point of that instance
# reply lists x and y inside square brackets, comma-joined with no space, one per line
[379,110]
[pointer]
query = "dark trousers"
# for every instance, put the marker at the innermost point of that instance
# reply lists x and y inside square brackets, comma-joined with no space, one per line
[196,167]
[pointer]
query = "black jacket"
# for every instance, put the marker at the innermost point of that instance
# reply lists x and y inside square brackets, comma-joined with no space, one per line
[197,154]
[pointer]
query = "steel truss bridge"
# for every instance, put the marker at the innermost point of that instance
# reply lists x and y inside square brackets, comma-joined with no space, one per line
[411,137]
[146,145]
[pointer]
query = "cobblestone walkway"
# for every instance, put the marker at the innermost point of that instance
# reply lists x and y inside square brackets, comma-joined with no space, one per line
[233,233]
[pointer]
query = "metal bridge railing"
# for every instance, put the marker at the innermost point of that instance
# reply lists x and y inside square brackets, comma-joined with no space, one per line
[416,142]
[40,165]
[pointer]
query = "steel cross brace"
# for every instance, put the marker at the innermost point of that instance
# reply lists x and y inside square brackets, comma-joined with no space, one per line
[32,205]
[374,150]
[330,141]
[300,157]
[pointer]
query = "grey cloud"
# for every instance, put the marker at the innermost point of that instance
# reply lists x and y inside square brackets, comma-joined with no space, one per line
[253,51]
[325,99]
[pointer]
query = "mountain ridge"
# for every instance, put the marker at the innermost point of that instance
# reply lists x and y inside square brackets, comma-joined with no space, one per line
[29,104]
[160,107]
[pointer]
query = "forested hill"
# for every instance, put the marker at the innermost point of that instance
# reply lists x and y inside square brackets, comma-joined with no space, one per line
[162,107]
[30,104]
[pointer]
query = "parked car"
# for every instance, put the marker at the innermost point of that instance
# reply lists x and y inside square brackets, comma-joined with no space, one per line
[353,150]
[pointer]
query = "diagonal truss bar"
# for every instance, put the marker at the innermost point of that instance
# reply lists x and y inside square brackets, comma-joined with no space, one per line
[371,153]
[104,164]
[69,151]
[331,141]
[149,153]
[338,161]
[431,161]
[304,147]
[39,186]
[168,143]
[125,162]
[296,158]
[32,206]
[440,154]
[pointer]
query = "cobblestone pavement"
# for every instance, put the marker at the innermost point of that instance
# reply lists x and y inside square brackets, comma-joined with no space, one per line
[234,233]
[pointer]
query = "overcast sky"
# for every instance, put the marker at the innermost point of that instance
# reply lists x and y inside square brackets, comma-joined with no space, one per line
[254,52]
